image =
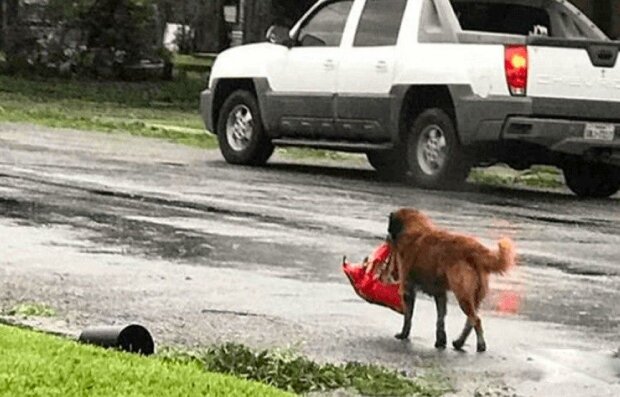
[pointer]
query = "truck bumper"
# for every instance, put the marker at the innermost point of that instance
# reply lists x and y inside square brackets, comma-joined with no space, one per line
[562,136]
[206,109]
[557,125]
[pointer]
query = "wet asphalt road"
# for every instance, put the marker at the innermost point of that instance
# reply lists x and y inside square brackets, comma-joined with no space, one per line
[114,229]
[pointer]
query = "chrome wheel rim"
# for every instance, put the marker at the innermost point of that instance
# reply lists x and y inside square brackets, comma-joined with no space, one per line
[432,150]
[239,128]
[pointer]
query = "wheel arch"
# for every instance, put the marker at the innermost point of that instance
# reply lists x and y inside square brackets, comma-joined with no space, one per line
[223,89]
[414,99]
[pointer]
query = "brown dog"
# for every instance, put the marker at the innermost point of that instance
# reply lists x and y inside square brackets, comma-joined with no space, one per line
[436,261]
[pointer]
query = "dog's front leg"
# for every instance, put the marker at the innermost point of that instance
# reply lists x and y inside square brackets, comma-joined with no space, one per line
[408,298]
[441,302]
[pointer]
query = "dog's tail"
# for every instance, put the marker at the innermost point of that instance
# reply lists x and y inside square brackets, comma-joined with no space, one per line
[502,260]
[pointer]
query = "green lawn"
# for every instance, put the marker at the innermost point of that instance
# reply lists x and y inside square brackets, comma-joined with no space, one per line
[34,364]
[167,110]
[192,63]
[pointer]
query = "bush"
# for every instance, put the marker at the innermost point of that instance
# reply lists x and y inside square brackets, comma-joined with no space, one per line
[102,38]
[289,371]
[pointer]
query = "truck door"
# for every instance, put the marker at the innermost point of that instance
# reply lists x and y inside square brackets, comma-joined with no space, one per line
[304,86]
[366,72]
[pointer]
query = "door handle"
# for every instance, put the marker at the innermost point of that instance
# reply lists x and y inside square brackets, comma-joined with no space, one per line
[329,64]
[381,66]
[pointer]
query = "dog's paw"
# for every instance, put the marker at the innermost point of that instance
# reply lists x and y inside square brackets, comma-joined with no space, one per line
[482,347]
[458,345]
[401,336]
[441,342]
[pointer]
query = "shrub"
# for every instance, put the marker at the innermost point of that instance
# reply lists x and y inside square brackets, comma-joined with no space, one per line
[102,38]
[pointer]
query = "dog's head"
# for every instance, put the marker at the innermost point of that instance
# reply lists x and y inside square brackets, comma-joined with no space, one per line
[407,221]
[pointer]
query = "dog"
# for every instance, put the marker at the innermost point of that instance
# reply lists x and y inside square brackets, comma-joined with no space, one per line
[435,261]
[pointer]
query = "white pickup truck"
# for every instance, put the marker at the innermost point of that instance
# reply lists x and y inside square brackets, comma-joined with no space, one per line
[428,89]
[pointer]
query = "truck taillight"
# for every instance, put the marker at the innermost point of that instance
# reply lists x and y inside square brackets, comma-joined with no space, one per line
[516,65]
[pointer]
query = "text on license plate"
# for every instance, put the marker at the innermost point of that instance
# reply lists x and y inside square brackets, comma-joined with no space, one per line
[600,132]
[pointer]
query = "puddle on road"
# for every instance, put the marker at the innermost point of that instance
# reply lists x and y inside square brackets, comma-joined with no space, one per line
[577,269]
[119,234]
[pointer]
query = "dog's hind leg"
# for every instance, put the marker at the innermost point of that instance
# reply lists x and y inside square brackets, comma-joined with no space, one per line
[463,280]
[408,297]
[441,302]
[482,344]
[473,322]
[460,342]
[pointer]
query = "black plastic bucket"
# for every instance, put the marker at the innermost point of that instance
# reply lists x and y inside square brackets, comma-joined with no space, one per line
[131,339]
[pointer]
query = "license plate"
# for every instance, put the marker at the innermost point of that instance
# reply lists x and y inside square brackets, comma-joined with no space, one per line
[600,132]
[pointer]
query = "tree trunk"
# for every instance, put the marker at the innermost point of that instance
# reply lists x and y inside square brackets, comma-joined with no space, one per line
[2,23]
[258,17]
[211,32]
[9,12]
[10,23]
[260,14]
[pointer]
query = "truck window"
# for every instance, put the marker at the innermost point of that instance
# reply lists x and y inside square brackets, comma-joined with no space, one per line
[380,23]
[326,26]
[504,18]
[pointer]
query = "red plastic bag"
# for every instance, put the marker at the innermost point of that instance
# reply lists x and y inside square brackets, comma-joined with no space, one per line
[367,283]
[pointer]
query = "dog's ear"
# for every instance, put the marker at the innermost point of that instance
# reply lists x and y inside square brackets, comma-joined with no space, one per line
[395,227]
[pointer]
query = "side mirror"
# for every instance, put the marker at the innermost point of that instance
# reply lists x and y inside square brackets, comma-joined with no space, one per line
[277,34]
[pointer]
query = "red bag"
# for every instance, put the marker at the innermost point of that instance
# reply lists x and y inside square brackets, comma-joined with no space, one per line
[368,285]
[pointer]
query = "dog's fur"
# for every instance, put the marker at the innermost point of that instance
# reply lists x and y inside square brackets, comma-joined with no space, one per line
[436,261]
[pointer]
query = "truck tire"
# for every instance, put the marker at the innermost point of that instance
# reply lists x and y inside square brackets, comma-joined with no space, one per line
[240,131]
[389,164]
[594,180]
[434,154]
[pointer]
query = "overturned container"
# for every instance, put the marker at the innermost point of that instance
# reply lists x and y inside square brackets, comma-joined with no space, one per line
[130,339]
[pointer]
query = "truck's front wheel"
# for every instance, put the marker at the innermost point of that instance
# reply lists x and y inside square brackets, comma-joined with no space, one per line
[240,131]
[434,153]
[593,180]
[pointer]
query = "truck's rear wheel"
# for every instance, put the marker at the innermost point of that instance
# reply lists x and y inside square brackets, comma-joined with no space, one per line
[434,153]
[593,180]
[389,164]
[240,131]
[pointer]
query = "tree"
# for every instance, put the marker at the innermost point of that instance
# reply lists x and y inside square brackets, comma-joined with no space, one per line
[260,14]
[210,29]
[258,17]
[8,16]
[101,37]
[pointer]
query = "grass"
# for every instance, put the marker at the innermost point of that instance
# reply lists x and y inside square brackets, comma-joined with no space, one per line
[169,110]
[34,364]
[543,177]
[191,63]
[287,370]
[317,154]
[31,310]
[166,110]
